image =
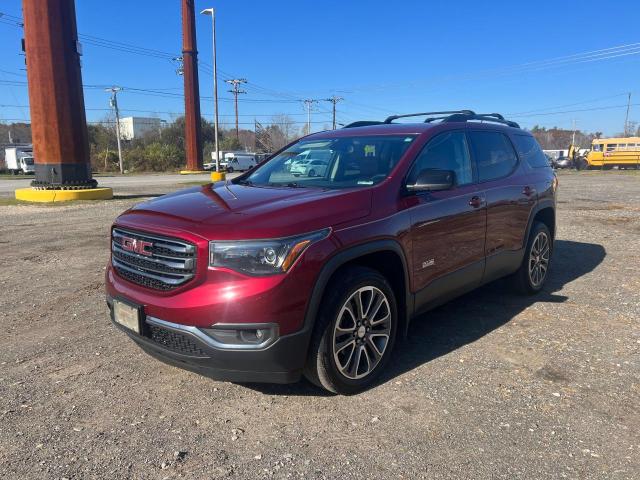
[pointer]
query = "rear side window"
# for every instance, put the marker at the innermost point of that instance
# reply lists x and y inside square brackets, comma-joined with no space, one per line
[530,151]
[494,154]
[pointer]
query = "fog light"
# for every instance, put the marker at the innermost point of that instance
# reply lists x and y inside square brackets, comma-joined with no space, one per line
[242,336]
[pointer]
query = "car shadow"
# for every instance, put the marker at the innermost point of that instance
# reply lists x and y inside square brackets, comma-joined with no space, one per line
[471,316]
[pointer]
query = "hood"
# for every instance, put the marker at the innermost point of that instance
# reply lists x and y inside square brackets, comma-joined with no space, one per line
[223,211]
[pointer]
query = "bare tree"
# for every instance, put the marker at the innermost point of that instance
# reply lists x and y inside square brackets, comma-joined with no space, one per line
[286,125]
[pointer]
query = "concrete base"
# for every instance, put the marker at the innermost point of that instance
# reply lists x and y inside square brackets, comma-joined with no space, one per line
[217,176]
[34,195]
[192,172]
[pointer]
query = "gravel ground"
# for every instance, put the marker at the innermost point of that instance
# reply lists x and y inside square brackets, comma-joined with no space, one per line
[491,385]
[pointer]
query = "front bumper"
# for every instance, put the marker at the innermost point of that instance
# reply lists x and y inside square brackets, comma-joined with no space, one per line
[280,361]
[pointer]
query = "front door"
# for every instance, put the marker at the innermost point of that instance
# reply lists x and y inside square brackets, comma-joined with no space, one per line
[447,227]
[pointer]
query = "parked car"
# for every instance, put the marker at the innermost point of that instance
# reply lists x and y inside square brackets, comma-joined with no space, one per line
[270,276]
[310,168]
[562,162]
[295,162]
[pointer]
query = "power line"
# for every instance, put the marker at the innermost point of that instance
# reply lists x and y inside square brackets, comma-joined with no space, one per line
[584,57]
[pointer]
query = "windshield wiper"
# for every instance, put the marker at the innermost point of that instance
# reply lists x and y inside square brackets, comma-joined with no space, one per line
[245,182]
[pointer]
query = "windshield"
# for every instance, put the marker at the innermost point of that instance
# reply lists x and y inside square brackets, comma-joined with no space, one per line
[333,163]
[28,160]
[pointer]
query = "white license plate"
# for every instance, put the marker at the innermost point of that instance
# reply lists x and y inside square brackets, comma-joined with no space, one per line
[126,315]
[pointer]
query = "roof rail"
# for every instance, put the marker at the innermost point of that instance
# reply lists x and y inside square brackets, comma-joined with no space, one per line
[395,117]
[363,123]
[446,116]
[483,117]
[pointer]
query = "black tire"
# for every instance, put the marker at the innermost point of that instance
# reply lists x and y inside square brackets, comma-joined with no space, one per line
[523,281]
[582,164]
[321,368]
[230,169]
[312,173]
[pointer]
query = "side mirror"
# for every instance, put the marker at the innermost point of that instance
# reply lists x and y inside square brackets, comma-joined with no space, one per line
[432,180]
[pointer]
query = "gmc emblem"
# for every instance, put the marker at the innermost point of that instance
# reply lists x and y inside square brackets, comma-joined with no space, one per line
[137,246]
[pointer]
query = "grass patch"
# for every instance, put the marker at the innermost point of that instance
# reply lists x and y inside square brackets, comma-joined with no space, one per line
[10,176]
[196,183]
[11,201]
[8,202]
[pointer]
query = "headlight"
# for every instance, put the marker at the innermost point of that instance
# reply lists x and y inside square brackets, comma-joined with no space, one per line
[261,257]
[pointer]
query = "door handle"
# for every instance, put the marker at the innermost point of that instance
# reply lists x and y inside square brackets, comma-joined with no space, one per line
[476,201]
[528,191]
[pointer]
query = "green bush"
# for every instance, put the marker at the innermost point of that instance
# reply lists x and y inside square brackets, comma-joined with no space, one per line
[154,157]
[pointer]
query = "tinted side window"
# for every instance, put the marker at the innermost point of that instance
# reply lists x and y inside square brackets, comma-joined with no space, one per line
[494,154]
[447,151]
[530,151]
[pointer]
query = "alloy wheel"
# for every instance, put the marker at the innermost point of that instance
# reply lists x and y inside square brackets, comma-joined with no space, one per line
[362,332]
[539,259]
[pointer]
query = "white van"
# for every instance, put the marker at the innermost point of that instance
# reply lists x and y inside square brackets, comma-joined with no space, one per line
[238,163]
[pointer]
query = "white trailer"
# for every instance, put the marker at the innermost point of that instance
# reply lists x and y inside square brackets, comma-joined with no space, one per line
[19,160]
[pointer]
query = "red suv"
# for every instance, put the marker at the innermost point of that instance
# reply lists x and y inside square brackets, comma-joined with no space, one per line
[279,273]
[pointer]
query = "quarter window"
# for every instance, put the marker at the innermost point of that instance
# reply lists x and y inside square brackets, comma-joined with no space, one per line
[447,151]
[530,151]
[494,154]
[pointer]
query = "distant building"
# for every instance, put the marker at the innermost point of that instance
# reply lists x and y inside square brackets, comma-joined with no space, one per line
[137,127]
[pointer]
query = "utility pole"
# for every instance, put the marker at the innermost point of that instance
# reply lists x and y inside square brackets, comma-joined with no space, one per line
[573,136]
[212,12]
[114,104]
[626,119]
[192,119]
[236,91]
[334,100]
[308,103]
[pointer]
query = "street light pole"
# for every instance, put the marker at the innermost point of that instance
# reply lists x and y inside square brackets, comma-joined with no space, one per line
[212,12]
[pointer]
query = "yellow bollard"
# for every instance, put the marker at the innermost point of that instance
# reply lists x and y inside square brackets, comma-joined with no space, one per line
[217,176]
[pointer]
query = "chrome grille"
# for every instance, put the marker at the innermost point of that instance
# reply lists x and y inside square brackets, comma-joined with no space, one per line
[166,264]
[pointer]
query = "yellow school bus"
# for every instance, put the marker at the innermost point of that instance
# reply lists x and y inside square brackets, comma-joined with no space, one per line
[613,152]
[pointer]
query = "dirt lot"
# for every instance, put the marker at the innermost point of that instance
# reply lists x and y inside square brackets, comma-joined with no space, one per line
[489,386]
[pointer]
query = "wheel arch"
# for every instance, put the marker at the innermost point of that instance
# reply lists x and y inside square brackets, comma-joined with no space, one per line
[384,256]
[544,212]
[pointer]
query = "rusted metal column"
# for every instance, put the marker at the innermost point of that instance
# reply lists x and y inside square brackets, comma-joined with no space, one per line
[56,100]
[193,134]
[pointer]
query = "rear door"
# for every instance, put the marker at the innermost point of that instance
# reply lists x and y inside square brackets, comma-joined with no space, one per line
[447,227]
[510,196]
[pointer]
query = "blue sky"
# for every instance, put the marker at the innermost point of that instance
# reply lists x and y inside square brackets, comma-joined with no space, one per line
[382,57]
